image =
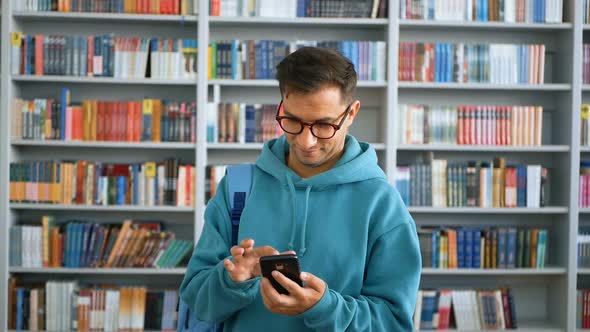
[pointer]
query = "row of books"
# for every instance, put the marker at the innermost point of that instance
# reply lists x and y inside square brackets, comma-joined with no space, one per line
[586,64]
[584,187]
[77,244]
[463,309]
[586,11]
[213,174]
[154,7]
[471,125]
[510,11]
[85,182]
[241,123]
[583,244]
[583,308]
[463,63]
[257,59]
[486,184]
[299,8]
[147,120]
[585,124]
[104,55]
[483,248]
[69,306]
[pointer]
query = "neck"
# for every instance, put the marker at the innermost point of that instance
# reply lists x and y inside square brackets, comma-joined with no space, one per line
[305,171]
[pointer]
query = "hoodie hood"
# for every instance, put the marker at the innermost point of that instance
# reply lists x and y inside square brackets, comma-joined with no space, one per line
[358,163]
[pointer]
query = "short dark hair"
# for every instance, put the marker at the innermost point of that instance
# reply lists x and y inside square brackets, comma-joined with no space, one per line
[310,68]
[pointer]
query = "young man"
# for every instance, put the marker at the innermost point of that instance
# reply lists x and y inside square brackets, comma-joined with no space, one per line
[318,192]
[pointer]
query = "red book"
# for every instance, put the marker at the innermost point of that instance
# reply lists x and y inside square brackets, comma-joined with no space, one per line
[80,172]
[90,57]
[39,55]
[215,8]
[129,113]
[176,5]
[460,125]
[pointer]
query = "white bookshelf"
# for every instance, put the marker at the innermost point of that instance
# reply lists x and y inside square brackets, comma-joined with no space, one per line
[101,208]
[483,148]
[554,311]
[485,86]
[101,80]
[102,17]
[550,271]
[476,210]
[520,27]
[104,145]
[99,271]
[298,22]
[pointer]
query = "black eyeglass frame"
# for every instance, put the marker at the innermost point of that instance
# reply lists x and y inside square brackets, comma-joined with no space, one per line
[303,124]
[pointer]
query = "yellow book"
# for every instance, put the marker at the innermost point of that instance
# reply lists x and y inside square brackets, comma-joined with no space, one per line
[46,222]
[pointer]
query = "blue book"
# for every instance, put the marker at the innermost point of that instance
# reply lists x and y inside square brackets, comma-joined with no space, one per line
[121,190]
[435,249]
[300,8]
[250,124]
[461,248]
[65,102]
[468,259]
[234,59]
[511,248]
[437,56]
[90,248]
[78,238]
[355,54]
[135,188]
[428,310]
[20,304]
[475,263]
[258,74]
[450,62]
[86,234]
[68,246]
[502,248]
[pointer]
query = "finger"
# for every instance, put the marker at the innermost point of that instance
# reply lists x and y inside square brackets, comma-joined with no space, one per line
[247,243]
[291,286]
[313,282]
[268,292]
[236,251]
[290,252]
[266,251]
[229,266]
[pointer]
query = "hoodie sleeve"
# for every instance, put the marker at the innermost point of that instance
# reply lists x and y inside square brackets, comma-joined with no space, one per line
[207,288]
[389,292]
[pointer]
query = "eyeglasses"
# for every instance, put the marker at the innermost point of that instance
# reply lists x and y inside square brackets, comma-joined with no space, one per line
[321,130]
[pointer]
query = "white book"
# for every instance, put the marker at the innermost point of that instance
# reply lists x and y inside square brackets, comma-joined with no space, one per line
[538,125]
[418,311]
[181,187]
[212,128]
[500,309]
[161,174]
[533,191]
[242,123]
[510,11]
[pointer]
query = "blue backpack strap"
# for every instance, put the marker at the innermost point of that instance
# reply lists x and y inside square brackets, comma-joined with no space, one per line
[239,182]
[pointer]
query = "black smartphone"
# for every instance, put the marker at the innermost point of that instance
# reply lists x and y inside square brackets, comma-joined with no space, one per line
[286,264]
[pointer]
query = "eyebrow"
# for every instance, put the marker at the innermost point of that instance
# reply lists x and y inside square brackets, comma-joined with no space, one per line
[318,120]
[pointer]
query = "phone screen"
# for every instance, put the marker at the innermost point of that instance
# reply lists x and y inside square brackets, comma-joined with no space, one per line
[288,265]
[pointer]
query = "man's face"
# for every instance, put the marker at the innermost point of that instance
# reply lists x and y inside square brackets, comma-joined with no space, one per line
[327,106]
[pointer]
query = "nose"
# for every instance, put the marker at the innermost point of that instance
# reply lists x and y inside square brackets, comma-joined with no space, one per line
[306,139]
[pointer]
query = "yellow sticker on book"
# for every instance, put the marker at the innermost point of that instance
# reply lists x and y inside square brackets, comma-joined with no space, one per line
[150,169]
[16,38]
[585,111]
[147,106]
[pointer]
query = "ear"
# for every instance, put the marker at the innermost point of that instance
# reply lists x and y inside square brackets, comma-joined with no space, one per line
[354,110]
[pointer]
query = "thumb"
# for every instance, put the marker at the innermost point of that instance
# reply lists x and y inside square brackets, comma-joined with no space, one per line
[313,282]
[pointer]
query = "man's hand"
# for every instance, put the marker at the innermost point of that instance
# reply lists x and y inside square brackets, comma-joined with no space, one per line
[245,264]
[299,299]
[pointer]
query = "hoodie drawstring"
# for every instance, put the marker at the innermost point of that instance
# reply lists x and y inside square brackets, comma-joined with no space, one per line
[291,245]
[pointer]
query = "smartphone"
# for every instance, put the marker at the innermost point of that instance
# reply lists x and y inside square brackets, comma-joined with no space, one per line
[286,264]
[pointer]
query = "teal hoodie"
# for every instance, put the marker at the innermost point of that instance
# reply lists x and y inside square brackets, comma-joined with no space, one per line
[348,226]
